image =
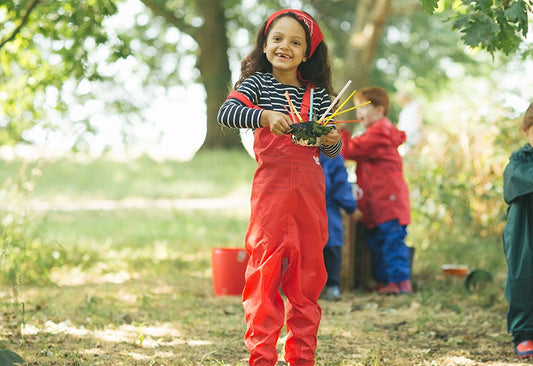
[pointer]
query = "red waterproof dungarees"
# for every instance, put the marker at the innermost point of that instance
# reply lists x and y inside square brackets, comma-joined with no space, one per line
[285,238]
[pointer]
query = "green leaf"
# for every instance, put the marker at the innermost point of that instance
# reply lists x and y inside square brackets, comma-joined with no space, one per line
[517,13]
[507,39]
[477,29]
[10,358]
[429,6]
[479,5]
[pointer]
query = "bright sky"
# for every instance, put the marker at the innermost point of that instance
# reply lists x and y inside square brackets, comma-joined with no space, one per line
[174,125]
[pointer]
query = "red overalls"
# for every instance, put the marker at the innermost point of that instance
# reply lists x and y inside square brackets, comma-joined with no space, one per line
[285,238]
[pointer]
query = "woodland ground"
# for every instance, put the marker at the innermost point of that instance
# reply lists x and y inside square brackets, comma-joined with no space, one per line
[165,312]
[171,318]
[131,282]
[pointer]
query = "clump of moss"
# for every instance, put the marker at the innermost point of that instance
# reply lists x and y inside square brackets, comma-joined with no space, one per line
[309,131]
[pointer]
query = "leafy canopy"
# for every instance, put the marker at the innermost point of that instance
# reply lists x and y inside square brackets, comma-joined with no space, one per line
[42,45]
[492,25]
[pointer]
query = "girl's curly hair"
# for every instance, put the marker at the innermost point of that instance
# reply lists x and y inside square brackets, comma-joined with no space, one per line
[316,70]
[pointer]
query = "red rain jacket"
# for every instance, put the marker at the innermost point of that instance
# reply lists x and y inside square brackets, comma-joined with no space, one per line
[379,173]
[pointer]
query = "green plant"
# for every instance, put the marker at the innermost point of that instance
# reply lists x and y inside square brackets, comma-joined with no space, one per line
[24,258]
[455,180]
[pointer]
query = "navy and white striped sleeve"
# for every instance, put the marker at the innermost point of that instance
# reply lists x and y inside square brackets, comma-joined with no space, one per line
[234,114]
[331,151]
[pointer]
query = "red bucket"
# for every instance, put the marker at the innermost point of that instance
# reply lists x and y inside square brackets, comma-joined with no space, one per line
[229,266]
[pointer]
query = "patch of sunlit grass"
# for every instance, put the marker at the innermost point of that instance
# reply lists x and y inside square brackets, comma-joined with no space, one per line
[204,176]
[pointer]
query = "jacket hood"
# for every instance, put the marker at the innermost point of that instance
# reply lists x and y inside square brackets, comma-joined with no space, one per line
[524,154]
[386,127]
[517,174]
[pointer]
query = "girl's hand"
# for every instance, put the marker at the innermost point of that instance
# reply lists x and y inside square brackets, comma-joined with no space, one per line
[277,121]
[331,138]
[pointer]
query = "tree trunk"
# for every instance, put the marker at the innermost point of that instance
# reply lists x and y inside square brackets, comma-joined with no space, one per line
[371,16]
[216,76]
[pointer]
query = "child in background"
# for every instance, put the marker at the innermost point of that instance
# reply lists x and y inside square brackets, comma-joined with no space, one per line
[518,241]
[287,230]
[385,200]
[410,120]
[338,196]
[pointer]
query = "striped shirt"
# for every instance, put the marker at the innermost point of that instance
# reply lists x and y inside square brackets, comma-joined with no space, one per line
[267,93]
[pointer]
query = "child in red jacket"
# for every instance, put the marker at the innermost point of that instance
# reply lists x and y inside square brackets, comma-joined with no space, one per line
[385,200]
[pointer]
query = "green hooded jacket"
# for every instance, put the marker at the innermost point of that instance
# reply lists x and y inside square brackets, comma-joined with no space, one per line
[518,235]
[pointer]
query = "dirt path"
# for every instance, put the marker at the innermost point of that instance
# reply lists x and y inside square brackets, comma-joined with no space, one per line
[141,203]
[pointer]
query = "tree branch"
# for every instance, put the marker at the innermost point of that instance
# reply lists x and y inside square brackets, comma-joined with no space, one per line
[405,8]
[23,21]
[160,10]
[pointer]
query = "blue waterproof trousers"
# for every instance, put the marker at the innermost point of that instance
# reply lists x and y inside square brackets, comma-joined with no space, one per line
[390,255]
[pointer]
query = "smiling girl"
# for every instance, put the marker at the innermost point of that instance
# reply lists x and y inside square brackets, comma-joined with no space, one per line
[288,224]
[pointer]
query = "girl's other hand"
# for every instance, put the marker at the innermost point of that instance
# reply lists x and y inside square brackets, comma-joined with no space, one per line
[331,138]
[277,121]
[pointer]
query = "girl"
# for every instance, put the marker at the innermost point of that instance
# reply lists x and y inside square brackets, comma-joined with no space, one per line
[288,223]
[518,242]
[385,200]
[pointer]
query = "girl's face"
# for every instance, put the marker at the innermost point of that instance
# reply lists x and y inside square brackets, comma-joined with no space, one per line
[529,134]
[285,49]
[369,113]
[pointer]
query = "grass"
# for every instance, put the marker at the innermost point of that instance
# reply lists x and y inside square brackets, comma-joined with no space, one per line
[183,232]
[133,287]
[73,178]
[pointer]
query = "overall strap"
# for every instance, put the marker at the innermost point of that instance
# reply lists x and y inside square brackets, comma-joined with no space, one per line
[304,110]
[243,99]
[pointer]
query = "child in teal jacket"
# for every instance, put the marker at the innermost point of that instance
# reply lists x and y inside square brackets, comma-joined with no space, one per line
[518,242]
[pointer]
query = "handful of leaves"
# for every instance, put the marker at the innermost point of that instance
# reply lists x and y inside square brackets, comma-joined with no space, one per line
[307,133]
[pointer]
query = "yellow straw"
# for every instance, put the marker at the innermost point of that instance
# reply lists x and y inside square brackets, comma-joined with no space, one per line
[339,112]
[292,106]
[340,107]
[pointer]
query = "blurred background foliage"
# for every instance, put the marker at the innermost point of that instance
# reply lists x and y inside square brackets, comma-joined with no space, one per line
[74,62]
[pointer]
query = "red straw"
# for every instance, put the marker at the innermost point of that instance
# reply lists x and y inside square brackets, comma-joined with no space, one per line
[291,114]
[350,121]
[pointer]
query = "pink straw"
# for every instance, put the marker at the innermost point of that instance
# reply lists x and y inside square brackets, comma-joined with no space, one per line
[336,99]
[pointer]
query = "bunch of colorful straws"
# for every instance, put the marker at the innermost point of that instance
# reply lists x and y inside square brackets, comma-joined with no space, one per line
[325,119]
